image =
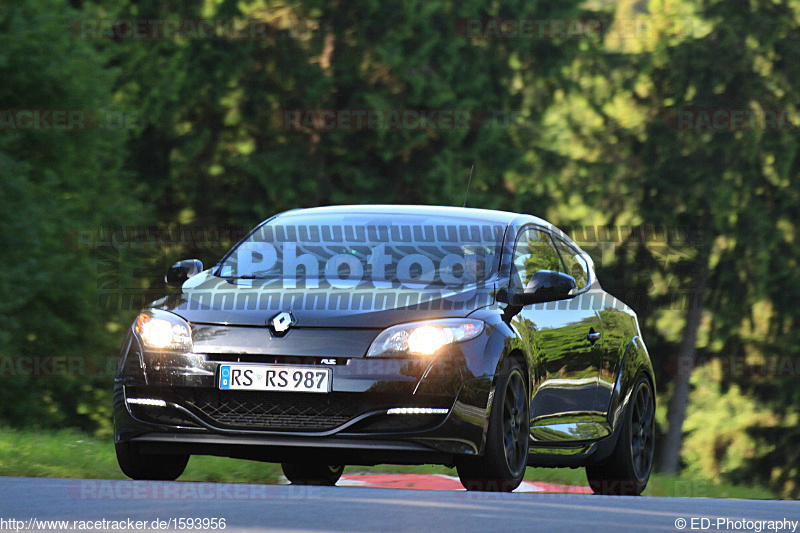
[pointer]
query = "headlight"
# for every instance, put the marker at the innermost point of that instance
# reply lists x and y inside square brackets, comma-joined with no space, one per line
[160,330]
[423,338]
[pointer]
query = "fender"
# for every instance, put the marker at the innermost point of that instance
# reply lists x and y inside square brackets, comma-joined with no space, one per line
[635,360]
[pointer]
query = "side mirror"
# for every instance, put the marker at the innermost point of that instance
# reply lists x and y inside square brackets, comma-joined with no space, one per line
[503,296]
[183,270]
[546,286]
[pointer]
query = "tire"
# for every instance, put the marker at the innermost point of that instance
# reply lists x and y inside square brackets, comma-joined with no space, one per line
[628,469]
[137,465]
[502,466]
[312,473]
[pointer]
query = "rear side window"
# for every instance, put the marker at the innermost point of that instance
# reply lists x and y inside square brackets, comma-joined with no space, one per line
[534,251]
[575,263]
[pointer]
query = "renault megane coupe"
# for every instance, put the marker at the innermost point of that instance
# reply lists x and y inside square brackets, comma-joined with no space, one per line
[361,335]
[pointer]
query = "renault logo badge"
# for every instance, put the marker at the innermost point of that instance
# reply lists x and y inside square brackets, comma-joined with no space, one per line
[282,322]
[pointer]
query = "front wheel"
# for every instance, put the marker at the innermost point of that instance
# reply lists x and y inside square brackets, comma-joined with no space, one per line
[137,465]
[503,464]
[312,473]
[628,469]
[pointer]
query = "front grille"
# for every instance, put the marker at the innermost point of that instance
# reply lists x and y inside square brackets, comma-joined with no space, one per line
[280,411]
[279,359]
[271,410]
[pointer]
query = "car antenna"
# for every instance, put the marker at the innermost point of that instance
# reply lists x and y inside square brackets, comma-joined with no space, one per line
[468,182]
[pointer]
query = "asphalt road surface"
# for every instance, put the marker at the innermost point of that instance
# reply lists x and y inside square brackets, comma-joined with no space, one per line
[118,505]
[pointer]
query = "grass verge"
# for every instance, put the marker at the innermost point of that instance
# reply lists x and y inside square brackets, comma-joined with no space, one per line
[71,454]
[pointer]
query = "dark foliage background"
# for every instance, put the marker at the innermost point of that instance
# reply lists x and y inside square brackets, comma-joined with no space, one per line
[583,134]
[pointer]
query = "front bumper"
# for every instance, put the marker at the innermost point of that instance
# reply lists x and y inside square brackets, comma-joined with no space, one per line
[181,409]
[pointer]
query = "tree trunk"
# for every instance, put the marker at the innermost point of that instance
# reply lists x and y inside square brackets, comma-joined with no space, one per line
[676,414]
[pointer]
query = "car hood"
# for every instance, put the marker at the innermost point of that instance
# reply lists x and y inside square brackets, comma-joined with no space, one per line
[207,299]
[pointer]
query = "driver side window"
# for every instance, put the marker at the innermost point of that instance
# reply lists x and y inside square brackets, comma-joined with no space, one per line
[534,251]
[576,265]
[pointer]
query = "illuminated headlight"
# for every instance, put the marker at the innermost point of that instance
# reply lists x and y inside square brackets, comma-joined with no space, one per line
[423,338]
[160,330]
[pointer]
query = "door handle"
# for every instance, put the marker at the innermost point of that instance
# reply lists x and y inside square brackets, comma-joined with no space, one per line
[593,336]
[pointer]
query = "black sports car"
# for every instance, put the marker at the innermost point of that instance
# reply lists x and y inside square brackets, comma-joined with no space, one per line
[391,334]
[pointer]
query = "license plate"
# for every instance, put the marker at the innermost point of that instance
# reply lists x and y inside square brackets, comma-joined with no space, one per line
[275,378]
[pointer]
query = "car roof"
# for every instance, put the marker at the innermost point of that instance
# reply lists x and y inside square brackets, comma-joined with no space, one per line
[466,213]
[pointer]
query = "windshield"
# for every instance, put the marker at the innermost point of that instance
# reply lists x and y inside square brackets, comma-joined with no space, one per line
[368,250]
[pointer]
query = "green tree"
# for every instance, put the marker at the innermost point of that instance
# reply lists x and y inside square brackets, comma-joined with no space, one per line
[735,186]
[55,183]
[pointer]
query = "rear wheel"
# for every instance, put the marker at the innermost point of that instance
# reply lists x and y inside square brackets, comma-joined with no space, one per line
[628,469]
[312,473]
[137,465]
[503,464]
